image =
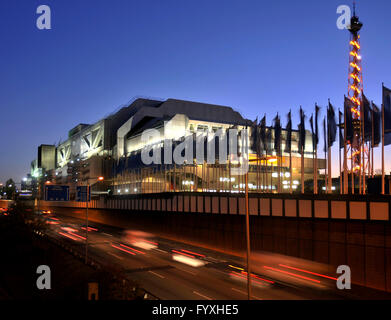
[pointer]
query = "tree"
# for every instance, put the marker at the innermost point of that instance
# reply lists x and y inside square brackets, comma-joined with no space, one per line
[10,189]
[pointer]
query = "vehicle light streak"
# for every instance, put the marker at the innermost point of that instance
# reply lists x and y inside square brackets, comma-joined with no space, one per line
[114,246]
[143,244]
[76,235]
[244,277]
[197,254]
[89,229]
[188,255]
[68,229]
[186,260]
[122,245]
[292,274]
[68,236]
[235,267]
[155,243]
[256,277]
[316,274]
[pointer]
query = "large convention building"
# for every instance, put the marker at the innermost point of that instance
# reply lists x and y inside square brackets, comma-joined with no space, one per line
[112,150]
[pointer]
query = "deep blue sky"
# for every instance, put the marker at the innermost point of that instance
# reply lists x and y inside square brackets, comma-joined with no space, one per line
[254,55]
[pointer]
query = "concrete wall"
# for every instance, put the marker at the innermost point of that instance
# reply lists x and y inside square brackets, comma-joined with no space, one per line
[290,206]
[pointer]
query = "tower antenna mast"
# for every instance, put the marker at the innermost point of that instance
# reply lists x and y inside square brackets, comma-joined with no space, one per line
[355,94]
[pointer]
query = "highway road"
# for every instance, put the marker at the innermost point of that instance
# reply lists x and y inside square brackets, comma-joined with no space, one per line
[172,270]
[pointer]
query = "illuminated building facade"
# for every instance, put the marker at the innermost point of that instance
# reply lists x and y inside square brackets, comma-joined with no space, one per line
[176,121]
[112,148]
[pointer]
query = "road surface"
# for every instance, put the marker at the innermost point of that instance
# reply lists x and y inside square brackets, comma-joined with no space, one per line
[172,270]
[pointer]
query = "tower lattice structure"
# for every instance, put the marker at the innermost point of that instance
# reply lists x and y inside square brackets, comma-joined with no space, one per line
[355,93]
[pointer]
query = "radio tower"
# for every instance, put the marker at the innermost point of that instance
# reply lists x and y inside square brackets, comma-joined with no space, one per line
[355,94]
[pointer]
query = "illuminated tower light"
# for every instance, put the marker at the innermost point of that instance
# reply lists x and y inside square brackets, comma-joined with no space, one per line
[355,87]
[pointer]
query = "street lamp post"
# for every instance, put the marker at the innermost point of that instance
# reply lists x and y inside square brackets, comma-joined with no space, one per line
[247,223]
[248,241]
[100,178]
[88,199]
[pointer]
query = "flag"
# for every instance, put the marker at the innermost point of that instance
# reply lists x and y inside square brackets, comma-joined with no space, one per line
[387,115]
[317,109]
[387,109]
[324,135]
[348,126]
[254,136]
[376,118]
[263,133]
[341,138]
[288,144]
[277,134]
[301,131]
[367,119]
[259,142]
[269,139]
[331,125]
[313,133]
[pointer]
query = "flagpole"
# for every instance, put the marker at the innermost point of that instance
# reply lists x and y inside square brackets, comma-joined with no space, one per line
[339,154]
[362,141]
[326,170]
[258,153]
[372,141]
[373,160]
[329,176]
[313,153]
[345,164]
[382,152]
[302,168]
[351,164]
[290,169]
[258,173]
[279,170]
[314,164]
[278,155]
[266,167]
[316,170]
[174,177]
[363,150]
[369,154]
[329,170]
[302,148]
[316,147]
[325,156]
[266,172]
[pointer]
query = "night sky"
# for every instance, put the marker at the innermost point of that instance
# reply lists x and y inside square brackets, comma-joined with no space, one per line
[257,56]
